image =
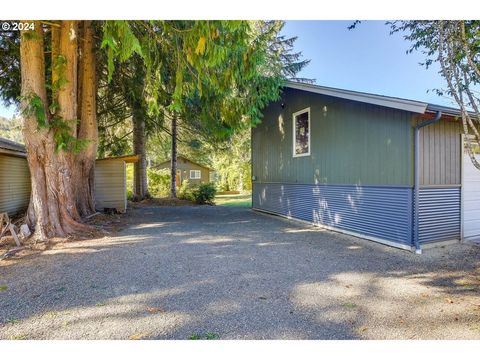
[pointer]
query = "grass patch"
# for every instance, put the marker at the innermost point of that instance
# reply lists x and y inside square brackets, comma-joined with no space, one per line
[206,336]
[3,288]
[238,200]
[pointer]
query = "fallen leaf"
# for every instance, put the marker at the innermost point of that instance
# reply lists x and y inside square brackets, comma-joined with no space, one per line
[363,329]
[450,301]
[154,310]
[139,336]
[3,288]
[19,337]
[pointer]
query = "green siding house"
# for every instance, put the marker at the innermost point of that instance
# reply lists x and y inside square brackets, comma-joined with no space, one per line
[356,163]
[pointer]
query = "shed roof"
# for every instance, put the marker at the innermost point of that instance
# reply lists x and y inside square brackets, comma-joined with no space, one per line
[187,159]
[12,147]
[126,158]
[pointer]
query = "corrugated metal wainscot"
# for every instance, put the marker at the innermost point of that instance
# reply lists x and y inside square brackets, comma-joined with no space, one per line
[382,213]
[439,214]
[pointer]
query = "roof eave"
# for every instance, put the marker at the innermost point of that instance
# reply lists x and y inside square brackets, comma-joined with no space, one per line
[4,151]
[386,101]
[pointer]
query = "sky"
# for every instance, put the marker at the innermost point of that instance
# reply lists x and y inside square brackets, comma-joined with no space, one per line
[366,59]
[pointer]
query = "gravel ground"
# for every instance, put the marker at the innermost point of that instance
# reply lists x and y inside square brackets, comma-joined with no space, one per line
[231,273]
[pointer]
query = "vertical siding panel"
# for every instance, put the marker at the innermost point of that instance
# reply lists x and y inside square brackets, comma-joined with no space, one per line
[110,183]
[431,155]
[354,143]
[448,148]
[440,154]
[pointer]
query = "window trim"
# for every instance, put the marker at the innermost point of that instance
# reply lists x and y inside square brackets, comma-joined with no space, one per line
[294,125]
[195,172]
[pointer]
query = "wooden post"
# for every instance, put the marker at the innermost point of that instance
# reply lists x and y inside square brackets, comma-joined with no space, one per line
[4,219]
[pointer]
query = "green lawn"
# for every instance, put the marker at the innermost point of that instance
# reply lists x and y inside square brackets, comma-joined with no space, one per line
[244,200]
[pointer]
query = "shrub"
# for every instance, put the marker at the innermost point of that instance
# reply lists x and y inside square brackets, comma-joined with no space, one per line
[130,194]
[158,182]
[184,192]
[204,194]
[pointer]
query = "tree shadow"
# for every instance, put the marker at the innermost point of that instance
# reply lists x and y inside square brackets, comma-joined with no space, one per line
[242,275]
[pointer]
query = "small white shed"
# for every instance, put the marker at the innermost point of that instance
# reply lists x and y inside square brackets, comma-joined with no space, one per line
[111,182]
[14,177]
[15,184]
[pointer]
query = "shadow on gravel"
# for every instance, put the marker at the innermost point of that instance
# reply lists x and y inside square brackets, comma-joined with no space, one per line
[239,274]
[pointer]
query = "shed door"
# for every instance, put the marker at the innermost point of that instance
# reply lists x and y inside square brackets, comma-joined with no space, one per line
[471,199]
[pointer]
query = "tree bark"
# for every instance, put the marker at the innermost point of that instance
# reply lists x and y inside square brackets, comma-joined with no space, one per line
[140,167]
[87,128]
[173,174]
[52,210]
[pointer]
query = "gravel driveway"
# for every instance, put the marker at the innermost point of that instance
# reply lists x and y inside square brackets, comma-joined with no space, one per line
[231,273]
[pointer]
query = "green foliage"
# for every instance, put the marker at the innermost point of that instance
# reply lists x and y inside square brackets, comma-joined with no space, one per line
[204,194]
[10,78]
[11,129]
[455,45]
[184,192]
[120,42]
[34,107]
[206,336]
[158,182]
[62,129]
[232,164]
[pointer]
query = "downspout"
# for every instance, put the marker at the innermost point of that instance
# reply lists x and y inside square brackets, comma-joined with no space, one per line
[416,187]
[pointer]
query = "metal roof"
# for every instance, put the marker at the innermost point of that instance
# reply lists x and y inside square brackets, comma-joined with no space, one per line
[446,110]
[414,106]
[12,147]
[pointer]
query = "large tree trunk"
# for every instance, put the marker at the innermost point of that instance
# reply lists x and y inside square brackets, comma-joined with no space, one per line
[52,210]
[173,174]
[140,167]
[87,128]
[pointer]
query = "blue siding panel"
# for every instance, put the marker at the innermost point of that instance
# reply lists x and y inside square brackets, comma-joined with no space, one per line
[383,212]
[439,210]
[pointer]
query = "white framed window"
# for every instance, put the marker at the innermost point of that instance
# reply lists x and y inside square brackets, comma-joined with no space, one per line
[301,133]
[195,174]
